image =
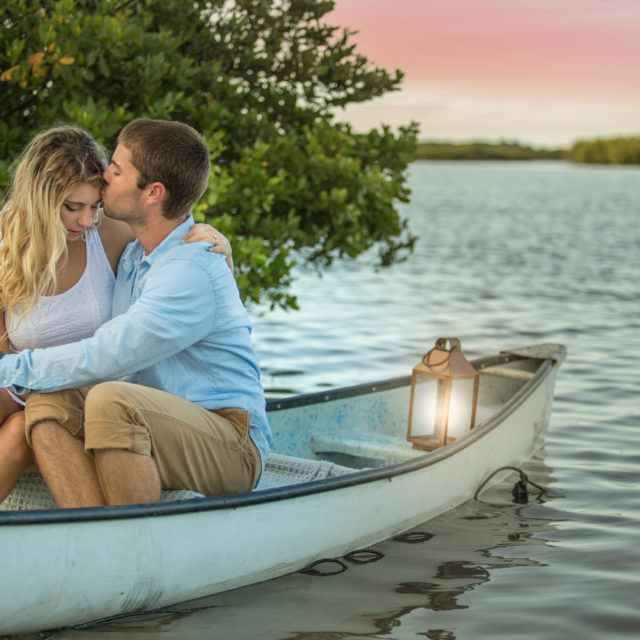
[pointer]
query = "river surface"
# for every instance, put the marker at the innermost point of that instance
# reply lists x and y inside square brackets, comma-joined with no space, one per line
[509,254]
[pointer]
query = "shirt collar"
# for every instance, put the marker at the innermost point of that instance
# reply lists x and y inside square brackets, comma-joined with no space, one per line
[134,253]
[171,241]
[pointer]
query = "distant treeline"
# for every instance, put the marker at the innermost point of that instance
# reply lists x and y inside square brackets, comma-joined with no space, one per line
[483,151]
[611,151]
[601,151]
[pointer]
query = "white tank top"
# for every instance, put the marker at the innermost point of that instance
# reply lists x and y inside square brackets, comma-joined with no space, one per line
[72,315]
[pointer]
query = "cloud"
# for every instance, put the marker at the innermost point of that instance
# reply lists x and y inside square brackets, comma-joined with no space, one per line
[542,71]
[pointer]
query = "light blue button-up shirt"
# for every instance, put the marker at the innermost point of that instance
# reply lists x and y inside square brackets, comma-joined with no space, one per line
[179,325]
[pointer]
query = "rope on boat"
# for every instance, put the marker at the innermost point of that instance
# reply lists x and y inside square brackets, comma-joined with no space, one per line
[520,491]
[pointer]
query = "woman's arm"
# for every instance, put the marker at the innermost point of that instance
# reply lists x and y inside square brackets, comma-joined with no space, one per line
[8,404]
[200,232]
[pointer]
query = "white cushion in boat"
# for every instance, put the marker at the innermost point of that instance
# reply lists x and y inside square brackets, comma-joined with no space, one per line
[31,491]
[282,470]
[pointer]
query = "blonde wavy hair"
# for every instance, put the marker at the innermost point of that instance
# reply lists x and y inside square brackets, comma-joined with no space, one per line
[32,237]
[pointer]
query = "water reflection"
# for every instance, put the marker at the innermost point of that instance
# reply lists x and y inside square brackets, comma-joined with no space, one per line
[443,585]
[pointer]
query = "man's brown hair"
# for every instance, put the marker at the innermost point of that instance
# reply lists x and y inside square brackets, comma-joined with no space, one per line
[172,153]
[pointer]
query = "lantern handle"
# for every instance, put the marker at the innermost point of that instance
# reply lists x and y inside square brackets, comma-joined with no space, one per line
[441,343]
[440,346]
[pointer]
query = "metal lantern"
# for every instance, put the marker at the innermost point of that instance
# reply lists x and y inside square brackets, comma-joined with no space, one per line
[444,394]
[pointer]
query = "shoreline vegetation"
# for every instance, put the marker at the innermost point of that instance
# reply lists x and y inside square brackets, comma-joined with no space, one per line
[618,151]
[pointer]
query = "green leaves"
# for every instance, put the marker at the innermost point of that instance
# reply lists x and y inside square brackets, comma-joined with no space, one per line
[260,81]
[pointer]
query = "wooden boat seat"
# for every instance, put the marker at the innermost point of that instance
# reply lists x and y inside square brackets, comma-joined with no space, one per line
[364,444]
[504,372]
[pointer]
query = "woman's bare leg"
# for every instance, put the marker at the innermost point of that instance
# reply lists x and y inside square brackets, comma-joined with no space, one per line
[15,453]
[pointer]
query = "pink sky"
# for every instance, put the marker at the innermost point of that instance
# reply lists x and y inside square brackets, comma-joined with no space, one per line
[541,71]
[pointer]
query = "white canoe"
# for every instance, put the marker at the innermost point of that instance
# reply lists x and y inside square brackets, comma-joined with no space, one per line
[342,477]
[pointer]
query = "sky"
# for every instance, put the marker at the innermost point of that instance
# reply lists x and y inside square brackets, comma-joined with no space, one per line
[540,72]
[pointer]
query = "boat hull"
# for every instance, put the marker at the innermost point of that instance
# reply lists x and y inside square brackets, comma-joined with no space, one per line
[63,568]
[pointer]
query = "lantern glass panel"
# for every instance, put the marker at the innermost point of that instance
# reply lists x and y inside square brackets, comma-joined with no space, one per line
[426,395]
[461,409]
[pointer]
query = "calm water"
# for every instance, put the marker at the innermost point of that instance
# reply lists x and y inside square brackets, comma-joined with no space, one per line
[509,254]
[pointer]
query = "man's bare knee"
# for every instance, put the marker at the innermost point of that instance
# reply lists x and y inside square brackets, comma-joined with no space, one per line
[126,477]
[40,429]
[44,432]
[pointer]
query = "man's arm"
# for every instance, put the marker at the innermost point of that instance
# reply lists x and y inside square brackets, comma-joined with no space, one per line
[176,309]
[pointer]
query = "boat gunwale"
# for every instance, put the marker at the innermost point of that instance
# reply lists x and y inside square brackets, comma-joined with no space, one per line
[126,512]
[317,397]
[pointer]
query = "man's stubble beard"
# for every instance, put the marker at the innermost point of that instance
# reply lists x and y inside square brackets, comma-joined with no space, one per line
[132,218]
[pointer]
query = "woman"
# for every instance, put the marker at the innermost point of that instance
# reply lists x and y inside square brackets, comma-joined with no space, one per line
[58,259]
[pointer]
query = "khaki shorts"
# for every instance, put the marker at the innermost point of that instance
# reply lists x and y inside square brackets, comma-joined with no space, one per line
[205,451]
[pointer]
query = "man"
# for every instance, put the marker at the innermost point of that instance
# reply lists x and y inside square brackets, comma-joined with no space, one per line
[187,410]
